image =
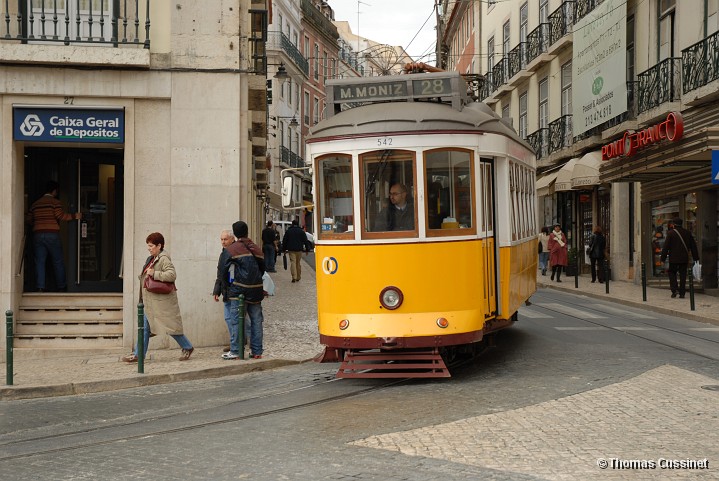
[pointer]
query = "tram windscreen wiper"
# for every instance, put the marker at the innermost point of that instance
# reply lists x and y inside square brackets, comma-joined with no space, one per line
[371,182]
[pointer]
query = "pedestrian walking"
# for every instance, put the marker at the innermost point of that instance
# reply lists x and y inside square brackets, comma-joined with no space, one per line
[269,235]
[596,252]
[222,283]
[677,245]
[543,248]
[45,215]
[557,245]
[243,262]
[162,310]
[295,242]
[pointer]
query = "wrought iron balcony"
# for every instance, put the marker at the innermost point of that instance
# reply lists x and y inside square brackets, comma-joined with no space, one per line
[700,63]
[290,158]
[68,22]
[560,133]
[487,86]
[660,84]
[583,7]
[279,40]
[500,73]
[561,21]
[539,140]
[538,41]
[517,59]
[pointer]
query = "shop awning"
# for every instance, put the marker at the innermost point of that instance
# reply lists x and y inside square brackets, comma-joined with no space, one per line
[586,171]
[545,183]
[564,176]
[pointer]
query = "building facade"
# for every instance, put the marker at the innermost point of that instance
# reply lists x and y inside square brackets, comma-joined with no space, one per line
[151,116]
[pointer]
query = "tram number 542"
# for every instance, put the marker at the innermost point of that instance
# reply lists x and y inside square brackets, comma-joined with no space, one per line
[384,141]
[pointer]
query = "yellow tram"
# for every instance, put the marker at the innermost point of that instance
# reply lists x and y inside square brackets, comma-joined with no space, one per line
[425,216]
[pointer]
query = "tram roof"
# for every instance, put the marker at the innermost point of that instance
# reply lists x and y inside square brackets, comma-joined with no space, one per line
[413,117]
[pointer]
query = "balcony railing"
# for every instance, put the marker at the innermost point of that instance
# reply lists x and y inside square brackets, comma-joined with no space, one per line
[561,21]
[290,158]
[68,22]
[660,84]
[700,63]
[499,73]
[278,40]
[537,41]
[517,59]
[486,88]
[583,7]
[539,140]
[560,133]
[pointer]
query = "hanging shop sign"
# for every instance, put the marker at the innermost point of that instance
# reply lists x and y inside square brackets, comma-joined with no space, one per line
[49,124]
[670,130]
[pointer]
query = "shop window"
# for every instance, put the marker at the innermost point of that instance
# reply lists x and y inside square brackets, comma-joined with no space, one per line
[450,192]
[388,181]
[663,212]
[336,209]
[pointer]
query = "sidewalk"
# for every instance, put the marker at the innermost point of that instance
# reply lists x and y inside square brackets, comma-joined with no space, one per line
[290,337]
[630,294]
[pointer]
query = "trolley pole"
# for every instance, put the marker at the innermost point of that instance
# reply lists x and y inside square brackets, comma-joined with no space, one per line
[241,327]
[606,276]
[140,338]
[691,288]
[8,346]
[644,282]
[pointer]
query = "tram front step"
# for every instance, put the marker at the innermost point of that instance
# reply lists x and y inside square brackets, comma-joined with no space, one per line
[393,364]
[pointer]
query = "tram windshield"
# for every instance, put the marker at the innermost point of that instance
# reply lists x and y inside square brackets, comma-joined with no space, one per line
[389,191]
[335,197]
[449,190]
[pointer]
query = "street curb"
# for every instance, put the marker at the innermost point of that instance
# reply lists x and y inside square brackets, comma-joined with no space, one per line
[13,393]
[642,305]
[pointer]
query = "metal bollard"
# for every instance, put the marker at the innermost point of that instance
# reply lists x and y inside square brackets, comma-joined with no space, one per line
[691,288]
[140,338]
[606,276]
[8,346]
[576,274]
[241,327]
[644,282]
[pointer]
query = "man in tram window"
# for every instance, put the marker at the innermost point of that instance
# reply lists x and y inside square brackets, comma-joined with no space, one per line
[399,214]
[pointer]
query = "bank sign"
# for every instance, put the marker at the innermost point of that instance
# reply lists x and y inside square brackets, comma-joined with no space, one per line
[41,124]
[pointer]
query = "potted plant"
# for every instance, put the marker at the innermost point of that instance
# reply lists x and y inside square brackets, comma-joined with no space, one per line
[571,269]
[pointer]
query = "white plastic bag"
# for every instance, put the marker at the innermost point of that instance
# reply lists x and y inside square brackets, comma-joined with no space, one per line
[697,271]
[268,285]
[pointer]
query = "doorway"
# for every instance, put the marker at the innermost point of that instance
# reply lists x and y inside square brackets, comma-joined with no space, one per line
[90,181]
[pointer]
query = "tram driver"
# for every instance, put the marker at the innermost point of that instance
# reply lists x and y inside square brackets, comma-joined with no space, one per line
[399,214]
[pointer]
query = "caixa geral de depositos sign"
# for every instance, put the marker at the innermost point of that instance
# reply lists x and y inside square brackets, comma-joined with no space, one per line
[86,125]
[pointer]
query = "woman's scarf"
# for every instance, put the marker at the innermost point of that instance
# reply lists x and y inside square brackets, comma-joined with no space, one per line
[558,237]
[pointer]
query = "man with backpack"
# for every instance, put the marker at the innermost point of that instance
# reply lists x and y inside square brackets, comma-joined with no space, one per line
[678,244]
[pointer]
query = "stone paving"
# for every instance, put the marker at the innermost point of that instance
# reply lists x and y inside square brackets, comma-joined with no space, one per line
[663,414]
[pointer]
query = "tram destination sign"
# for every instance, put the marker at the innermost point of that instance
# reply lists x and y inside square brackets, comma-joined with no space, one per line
[49,124]
[436,87]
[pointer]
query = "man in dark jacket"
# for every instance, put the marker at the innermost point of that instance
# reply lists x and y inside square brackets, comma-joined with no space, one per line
[268,246]
[295,241]
[222,285]
[243,266]
[678,244]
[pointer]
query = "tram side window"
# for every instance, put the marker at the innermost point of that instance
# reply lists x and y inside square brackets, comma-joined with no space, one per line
[336,211]
[450,193]
[389,192]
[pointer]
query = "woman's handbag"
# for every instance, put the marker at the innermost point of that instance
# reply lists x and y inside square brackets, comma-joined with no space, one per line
[158,287]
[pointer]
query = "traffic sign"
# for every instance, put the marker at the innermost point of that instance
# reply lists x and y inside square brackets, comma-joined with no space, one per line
[715,166]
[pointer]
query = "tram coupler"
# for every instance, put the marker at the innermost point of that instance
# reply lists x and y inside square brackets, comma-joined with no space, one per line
[8,346]
[140,338]
[690,274]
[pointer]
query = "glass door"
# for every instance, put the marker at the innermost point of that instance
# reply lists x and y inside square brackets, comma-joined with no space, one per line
[91,182]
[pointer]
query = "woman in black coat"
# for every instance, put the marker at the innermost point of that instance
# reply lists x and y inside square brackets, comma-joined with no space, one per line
[597,246]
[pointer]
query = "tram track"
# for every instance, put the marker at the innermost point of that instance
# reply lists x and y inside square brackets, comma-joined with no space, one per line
[29,447]
[585,307]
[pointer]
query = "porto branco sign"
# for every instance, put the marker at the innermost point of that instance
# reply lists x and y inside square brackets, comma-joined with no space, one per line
[632,142]
[84,125]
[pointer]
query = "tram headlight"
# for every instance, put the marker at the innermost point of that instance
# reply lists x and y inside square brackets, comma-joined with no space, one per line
[344,324]
[391,298]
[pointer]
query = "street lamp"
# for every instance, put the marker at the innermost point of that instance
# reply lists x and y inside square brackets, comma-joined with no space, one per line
[281,73]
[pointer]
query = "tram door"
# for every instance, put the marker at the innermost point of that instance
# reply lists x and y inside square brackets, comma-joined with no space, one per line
[490,251]
[90,181]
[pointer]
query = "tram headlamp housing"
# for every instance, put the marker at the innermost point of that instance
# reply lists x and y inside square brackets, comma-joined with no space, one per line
[391,297]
